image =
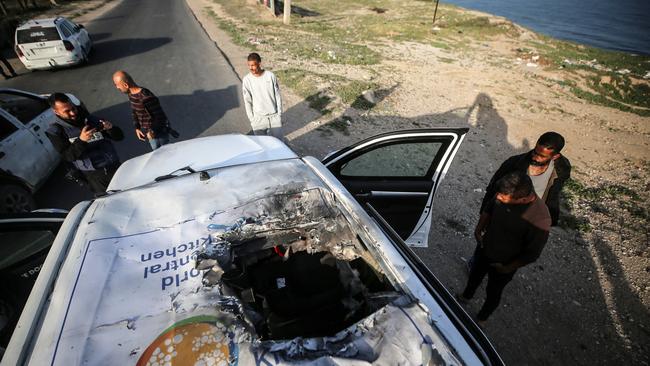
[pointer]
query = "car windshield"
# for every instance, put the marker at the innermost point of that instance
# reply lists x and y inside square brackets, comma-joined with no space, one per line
[37,34]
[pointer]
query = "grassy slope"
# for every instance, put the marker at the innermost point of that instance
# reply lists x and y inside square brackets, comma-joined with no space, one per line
[345,31]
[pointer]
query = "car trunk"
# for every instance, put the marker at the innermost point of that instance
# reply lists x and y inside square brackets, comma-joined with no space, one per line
[39,42]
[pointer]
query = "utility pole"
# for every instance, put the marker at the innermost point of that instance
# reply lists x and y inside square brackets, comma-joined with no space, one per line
[287,11]
[435,12]
[272,7]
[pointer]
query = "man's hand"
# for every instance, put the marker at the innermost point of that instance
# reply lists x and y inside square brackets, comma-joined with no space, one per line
[87,133]
[478,235]
[150,135]
[140,134]
[106,125]
[499,267]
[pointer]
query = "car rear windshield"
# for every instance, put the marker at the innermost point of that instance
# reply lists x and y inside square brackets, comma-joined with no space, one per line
[37,34]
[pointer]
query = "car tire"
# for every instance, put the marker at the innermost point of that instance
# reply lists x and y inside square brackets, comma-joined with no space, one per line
[14,198]
[84,56]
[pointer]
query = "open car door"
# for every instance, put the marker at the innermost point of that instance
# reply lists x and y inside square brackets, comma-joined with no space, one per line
[25,240]
[398,173]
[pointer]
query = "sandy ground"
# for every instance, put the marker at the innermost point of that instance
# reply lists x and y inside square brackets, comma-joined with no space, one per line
[586,300]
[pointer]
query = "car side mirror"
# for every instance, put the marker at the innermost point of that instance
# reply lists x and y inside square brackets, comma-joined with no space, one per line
[78,27]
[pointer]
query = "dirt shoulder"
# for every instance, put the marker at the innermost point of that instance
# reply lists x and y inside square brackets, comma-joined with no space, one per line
[351,69]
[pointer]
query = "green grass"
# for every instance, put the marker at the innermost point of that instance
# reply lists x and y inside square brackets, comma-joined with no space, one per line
[237,35]
[607,98]
[601,199]
[622,92]
[345,32]
[306,85]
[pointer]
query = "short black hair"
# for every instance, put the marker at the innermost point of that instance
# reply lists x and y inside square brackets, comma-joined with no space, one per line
[254,57]
[515,184]
[551,140]
[58,97]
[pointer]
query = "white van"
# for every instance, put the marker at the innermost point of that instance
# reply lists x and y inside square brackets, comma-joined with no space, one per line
[49,43]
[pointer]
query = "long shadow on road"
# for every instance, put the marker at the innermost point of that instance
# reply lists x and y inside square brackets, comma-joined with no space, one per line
[116,49]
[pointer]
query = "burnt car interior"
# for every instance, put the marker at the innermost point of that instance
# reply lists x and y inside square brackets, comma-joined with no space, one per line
[296,266]
[307,295]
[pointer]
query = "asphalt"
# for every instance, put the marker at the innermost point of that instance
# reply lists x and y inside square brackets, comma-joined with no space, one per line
[160,43]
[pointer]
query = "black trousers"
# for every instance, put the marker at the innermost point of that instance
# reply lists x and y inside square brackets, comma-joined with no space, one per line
[99,179]
[10,70]
[496,283]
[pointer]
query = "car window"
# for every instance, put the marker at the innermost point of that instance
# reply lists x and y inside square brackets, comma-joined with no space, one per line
[24,108]
[6,128]
[412,159]
[37,34]
[67,32]
[20,245]
[70,25]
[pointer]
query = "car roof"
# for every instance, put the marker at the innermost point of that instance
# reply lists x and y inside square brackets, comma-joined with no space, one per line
[199,155]
[46,22]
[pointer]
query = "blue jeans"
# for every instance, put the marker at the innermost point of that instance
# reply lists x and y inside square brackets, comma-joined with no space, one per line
[158,141]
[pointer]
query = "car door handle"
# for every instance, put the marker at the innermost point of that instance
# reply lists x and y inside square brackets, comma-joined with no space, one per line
[36,128]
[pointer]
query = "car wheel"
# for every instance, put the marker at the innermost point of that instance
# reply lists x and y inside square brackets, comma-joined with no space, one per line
[14,199]
[84,56]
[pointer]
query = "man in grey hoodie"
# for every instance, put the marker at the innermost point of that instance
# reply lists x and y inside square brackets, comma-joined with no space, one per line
[262,99]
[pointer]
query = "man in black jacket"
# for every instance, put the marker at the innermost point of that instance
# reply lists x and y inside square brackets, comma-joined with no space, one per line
[83,140]
[548,170]
[513,227]
[545,165]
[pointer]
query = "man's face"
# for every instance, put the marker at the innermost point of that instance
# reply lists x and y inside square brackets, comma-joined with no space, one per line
[254,67]
[121,85]
[66,111]
[542,156]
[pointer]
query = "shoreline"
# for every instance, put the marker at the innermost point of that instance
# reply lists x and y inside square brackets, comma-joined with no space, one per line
[543,28]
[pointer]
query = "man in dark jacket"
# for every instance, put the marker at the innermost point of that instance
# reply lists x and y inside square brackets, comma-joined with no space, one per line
[545,165]
[548,170]
[513,227]
[83,140]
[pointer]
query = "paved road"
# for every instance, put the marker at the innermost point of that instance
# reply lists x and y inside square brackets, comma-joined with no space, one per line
[162,45]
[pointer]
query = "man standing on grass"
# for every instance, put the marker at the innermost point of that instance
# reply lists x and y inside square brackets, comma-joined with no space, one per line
[149,119]
[514,228]
[262,99]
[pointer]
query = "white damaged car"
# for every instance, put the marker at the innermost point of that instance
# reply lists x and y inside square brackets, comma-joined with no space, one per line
[233,250]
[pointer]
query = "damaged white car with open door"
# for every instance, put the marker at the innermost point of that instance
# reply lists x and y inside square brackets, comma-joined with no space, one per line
[231,250]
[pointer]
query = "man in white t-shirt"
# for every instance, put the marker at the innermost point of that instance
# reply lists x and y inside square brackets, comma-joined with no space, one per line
[262,99]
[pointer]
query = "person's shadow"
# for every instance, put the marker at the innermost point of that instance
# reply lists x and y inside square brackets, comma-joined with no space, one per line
[574,305]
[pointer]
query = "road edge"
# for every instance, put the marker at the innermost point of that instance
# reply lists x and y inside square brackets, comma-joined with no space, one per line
[221,41]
